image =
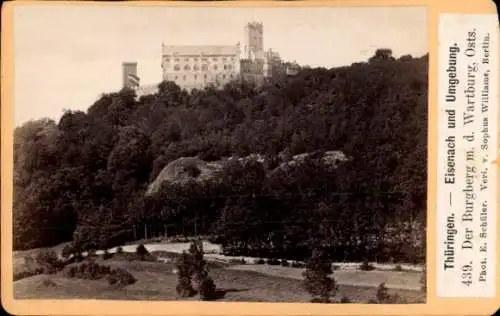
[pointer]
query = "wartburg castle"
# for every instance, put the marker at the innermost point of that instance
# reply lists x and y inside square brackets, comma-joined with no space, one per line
[200,66]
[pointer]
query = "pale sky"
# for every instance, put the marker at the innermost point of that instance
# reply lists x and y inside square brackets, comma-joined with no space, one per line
[66,56]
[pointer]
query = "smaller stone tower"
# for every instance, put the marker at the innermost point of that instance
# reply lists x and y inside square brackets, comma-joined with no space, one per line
[130,78]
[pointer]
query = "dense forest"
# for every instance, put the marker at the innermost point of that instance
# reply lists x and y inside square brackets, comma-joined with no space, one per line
[84,178]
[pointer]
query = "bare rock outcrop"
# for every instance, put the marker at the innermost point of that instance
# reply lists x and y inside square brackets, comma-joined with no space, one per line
[187,169]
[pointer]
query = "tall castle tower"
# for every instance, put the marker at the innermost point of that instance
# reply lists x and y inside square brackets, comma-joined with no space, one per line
[253,46]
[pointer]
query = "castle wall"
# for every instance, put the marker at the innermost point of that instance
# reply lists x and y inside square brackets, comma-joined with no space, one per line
[196,67]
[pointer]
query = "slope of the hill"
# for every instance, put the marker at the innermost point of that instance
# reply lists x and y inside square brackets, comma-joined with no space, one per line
[85,177]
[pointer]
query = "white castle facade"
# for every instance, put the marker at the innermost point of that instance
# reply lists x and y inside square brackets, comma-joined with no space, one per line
[200,66]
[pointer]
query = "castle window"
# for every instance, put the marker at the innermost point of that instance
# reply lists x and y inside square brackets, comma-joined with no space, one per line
[196,67]
[229,67]
[167,60]
[195,59]
[177,59]
[177,67]
[204,59]
[225,67]
[231,76]
[204,67]
[186,59]
[215,67]
[176,77]
[214,59]
[184,78]
[186,67]
[223,76]
[205,76]
[224,59]
[195,77]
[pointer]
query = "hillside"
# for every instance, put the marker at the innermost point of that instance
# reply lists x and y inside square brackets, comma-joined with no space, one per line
[86,177]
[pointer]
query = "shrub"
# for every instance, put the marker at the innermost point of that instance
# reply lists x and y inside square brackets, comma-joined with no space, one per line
[67,251]
[94,271]
[70,272]
[142,252]
[120,277]
[273,261]
[119,249]
[382,293]
[48,283]
[398,268]
[260,261]
[49,261]
[91,271]
[284,263]
[366,266]
[297,264]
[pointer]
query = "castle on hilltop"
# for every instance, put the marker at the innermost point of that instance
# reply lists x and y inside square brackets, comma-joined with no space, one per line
[200,66]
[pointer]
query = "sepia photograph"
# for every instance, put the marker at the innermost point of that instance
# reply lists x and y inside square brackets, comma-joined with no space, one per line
[227,154]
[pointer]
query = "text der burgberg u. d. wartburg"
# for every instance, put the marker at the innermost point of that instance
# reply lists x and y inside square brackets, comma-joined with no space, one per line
[466,146]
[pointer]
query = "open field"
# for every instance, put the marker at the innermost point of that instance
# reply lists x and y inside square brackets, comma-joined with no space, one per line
[228,273]
[156,281]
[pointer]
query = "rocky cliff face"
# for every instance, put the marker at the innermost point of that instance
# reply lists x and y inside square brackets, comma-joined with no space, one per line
[187,169]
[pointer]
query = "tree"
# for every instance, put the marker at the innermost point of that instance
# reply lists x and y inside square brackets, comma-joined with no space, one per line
[86,176]
[206,286]
[317,280]
[382,54]
[185,271]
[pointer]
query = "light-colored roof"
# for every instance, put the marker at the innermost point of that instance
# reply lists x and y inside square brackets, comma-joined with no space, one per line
[201,49]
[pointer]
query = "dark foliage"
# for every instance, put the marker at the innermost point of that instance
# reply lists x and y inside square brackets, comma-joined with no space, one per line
[205,284]
[49,262]
[93,271]
[185,271]
[366,266]
[382,293]
[207,289]
[317,280]
[121,277]
[48,283]
[142,252]
[84,177]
